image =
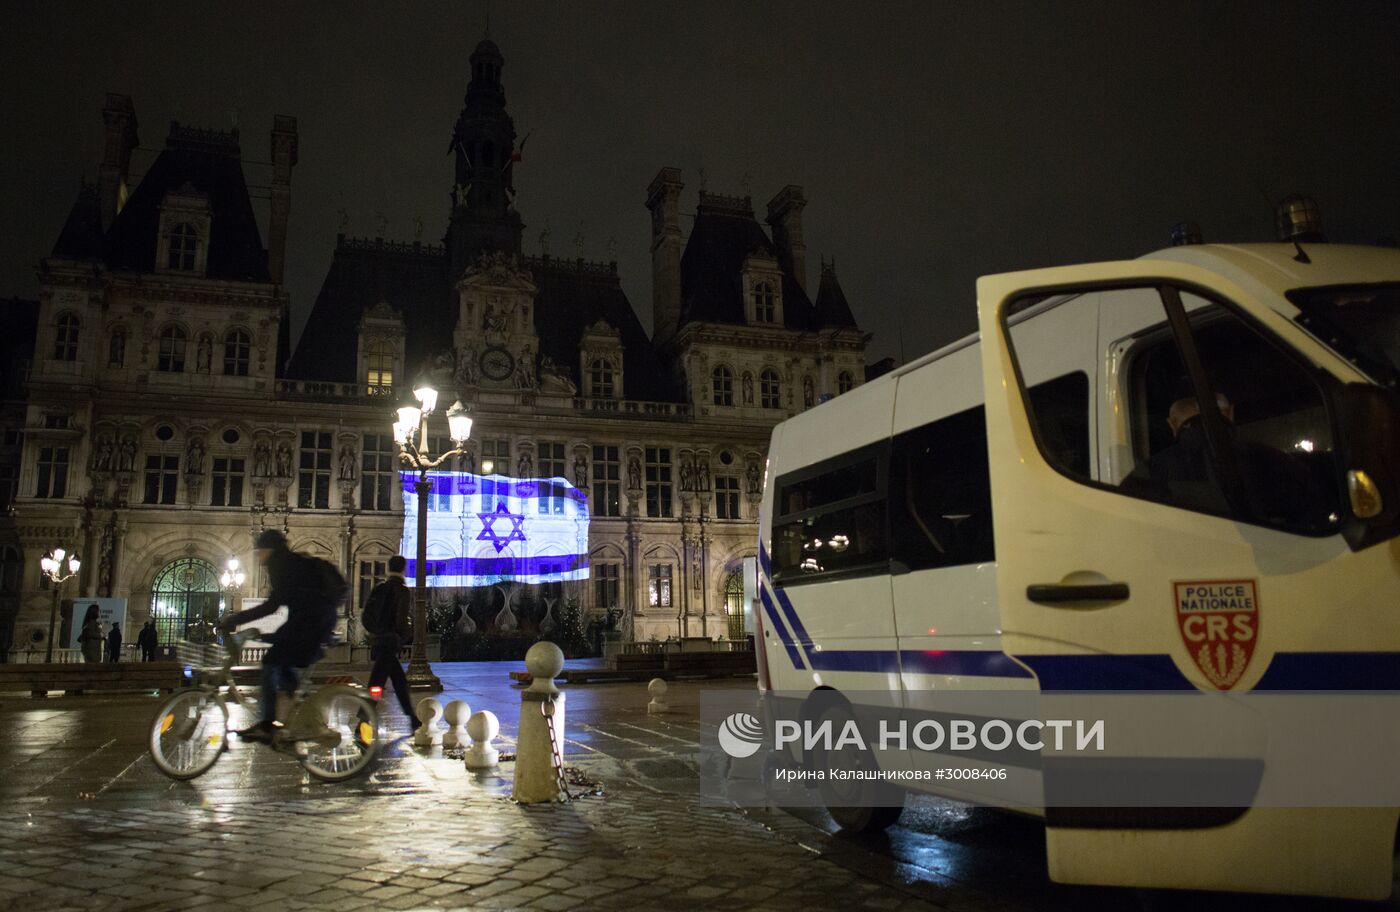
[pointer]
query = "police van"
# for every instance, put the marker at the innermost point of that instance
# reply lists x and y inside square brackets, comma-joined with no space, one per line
[1175,473]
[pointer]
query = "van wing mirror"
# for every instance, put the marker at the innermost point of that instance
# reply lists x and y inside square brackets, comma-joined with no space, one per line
[1368,423]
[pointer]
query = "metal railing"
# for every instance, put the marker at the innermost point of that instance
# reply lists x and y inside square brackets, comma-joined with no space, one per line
[130,652]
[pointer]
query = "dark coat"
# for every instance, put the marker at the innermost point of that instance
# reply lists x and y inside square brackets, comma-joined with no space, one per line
[114,643]
[296,584]
[398,594]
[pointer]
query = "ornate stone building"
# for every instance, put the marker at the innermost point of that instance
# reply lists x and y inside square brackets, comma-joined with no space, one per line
[167,419]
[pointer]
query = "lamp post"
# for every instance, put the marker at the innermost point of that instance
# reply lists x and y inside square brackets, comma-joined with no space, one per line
[413,422]
[59,571]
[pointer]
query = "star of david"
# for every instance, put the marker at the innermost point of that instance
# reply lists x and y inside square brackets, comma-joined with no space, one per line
[489,533]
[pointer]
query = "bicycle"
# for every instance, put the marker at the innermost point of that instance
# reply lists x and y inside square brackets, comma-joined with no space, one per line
[333,732]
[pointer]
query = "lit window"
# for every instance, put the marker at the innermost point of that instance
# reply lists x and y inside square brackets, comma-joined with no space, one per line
[379,370]
[659,585]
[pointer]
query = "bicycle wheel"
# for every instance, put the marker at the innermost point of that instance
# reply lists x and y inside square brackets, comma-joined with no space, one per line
[189,734]
[349,739]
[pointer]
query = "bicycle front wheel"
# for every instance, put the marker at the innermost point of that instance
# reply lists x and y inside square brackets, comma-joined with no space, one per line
[189,734]
[349,723]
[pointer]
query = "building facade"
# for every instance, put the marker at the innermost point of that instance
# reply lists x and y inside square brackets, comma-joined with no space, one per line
[167,419]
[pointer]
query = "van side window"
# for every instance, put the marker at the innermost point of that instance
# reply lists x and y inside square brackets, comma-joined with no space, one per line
[1142,415]
[829,519]
[941,495]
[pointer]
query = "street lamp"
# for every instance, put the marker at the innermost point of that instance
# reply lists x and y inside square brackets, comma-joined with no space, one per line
[233,575]
[58,571]
[413,422]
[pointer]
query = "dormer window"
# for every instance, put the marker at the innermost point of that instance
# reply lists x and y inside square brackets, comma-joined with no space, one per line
[379,369]
[183,247]
[601,379]
[65,341]
[765,307]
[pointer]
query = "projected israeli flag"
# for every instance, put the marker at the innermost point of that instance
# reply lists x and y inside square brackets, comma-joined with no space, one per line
[485,529]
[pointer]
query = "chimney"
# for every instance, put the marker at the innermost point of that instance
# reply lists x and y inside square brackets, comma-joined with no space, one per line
[785,215]
[119,117]
[284,157]
[663,199]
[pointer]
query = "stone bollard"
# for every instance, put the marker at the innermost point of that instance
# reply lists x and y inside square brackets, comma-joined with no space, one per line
[429,711]
[657,688]
[536,776]
[455,714]
[483,727]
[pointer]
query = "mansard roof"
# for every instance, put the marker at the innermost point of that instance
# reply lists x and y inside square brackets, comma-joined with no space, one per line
[81,237]
[205,162]
[410,277]
[832,311]
[725,233]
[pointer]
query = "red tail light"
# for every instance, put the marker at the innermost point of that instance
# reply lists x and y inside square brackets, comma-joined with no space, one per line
[376,691]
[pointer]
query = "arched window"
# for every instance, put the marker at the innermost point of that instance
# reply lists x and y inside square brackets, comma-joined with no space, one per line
[724,386]
[65,340]
[236,348]
[734,603]
[172,350]
[116,347]
[379,369]
[185,600]
[184,243]
[769,389]
[601,379]
[765,309]
[845,382]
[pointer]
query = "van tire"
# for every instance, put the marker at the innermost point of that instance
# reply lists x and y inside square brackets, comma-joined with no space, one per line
[862,806]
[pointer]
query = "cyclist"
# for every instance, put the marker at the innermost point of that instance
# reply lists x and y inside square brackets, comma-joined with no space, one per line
[311,589]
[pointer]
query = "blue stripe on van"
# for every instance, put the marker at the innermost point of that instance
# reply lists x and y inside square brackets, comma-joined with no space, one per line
[1332,671]
[873,660]
[1297,671]
[798,631]
[975,663]
[1107,672]
[778,627]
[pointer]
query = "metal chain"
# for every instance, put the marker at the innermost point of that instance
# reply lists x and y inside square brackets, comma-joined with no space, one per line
[556,752]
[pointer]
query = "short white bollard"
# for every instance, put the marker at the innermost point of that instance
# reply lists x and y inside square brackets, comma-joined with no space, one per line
[657,688]
[483,727]
[536,761]
[429,711]
[455,715]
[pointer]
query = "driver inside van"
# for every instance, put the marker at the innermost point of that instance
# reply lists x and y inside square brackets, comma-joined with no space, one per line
[1183,472]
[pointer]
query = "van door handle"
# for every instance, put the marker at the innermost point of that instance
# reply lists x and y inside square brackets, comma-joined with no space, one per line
[1051,593]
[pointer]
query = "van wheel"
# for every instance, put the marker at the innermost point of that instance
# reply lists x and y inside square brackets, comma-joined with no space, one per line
[856,805]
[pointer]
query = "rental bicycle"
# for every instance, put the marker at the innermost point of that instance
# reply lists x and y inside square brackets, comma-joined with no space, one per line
[333,732]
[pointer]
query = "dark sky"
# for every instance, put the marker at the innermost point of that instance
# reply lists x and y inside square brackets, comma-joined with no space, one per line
[936,142]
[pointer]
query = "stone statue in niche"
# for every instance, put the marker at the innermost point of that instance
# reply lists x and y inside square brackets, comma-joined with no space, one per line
[702,476]
[466,366]
[493,320]
[523,465]
[687,475]
[284,461]
[581,471]
[204,353]
[116,349]
[104,454]
[634,473]
[809,395]
[347,463]
[262,460]
[469,463]
[126,458]
[525,370]
[755,479]
[748,389]
[194,457]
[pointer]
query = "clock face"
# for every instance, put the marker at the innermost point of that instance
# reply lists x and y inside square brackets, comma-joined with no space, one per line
[496,363]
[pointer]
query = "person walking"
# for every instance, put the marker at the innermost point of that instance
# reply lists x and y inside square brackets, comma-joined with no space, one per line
[90,636]
[114,643]
[147,640]
[385,619]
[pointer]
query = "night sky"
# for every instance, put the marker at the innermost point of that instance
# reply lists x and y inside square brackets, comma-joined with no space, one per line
[936,142]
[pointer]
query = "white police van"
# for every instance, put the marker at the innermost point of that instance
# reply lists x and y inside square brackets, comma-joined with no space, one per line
[1041,506]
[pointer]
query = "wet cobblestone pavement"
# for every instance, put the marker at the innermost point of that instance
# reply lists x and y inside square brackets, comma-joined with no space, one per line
[89,823]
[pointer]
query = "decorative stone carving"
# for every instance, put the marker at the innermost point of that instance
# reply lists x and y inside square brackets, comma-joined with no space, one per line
[754,476]
[204,353]
[555,380]
[126,456]
[194,457]
[580,471]
[284,460]
[262,460]
[634,473]
[104,454]
[346,470]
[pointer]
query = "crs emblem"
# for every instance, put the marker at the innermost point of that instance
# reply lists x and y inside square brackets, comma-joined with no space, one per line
[1219,623]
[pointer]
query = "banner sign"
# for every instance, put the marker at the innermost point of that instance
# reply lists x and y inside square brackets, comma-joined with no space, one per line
[109,610]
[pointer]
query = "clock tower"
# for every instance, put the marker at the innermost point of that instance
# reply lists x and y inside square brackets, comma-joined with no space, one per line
[495,340]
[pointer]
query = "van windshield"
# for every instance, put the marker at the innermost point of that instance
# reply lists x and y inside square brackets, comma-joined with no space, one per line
[1360,322]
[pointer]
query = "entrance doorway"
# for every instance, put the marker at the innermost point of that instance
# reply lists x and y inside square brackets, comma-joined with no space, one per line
[186,601]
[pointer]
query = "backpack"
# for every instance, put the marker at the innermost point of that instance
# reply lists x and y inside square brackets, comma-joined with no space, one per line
[378,616]
[330,588]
